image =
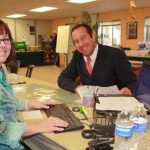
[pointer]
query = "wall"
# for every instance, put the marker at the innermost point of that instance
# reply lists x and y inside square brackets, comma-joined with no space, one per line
[48,27]
[23,31]
[118,15]
[140,14]
[132,43]
[43,27]
[11,25]
[54,27]
[61,22]
[20,28]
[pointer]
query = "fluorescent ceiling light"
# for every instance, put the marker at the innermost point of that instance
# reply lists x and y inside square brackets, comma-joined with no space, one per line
[16,16]
[43,9]
[80,1]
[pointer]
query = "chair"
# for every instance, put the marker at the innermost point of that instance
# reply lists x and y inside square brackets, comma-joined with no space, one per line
[29,71]
[14,66]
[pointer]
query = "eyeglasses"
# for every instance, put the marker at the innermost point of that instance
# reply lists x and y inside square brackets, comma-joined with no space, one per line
[6,41]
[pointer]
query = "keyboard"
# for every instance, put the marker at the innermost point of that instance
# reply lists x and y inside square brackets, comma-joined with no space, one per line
[63,112]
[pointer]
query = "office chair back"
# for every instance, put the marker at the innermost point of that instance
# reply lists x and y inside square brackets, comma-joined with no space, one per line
[14,66]
[29,71]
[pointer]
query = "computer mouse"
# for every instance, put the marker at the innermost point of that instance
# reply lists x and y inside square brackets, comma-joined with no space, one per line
[87,134]
[76,109]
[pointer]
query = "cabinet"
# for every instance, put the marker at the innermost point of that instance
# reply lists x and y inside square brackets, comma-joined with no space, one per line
[30,57]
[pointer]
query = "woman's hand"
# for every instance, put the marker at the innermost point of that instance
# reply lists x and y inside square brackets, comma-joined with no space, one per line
[52,124]
[39,104]
[48,125]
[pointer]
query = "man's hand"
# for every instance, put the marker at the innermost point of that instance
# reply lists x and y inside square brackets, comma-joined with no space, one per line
[125,90]
[76,89]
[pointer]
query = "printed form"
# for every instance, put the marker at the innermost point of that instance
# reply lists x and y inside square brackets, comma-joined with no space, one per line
[97,90]
[116,103]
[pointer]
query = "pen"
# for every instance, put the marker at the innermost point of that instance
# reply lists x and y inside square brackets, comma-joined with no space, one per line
[95,91]
[85,115]
[23,82]
[83,111]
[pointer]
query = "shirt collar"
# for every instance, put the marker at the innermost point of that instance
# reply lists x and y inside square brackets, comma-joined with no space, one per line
[93,56]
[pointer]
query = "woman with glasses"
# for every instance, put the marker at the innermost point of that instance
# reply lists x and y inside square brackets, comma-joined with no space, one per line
[11,130]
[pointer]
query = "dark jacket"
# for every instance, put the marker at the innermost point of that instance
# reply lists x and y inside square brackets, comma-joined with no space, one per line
[111,68]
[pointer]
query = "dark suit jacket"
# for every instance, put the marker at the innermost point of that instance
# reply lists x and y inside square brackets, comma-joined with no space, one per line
[111,68]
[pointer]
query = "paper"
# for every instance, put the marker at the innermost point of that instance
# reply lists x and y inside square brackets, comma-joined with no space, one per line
[116,103]
[30,115]
[108,90]
[80,101]
[97,90]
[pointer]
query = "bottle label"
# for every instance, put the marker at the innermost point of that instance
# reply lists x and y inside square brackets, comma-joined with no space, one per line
[140,127]
[123,131]
[140,124]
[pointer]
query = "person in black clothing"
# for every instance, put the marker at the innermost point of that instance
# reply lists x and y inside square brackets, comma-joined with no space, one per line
[110,65]
[53,47]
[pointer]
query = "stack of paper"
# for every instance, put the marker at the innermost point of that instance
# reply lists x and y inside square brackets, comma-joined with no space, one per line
[90,90]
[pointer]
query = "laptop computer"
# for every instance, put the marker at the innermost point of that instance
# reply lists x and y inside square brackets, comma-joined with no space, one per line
[142,89]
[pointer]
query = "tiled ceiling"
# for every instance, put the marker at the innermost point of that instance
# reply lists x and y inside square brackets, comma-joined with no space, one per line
[65,9]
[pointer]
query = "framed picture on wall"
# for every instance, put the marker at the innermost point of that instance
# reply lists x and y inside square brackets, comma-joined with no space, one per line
[32,30]
[132,30]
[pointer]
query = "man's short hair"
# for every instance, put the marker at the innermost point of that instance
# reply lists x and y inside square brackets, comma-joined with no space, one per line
[86,26]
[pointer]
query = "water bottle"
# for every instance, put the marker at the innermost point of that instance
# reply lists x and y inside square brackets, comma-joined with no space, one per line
[140,119]
[123,126]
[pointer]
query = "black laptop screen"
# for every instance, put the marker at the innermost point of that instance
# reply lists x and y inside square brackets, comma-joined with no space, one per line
[142,89]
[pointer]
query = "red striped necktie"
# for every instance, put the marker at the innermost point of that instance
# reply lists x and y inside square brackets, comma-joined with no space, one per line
[88,65]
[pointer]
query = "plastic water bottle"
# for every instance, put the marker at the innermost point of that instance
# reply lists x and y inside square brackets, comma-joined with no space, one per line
[140,119]
[123,126]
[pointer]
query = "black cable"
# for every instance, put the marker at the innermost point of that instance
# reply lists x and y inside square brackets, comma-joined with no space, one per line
[90,118]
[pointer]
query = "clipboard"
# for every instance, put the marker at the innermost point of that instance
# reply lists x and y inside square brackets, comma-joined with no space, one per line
[114,103]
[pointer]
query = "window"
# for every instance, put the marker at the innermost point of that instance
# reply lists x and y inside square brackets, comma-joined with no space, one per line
[109,33]
[147,32]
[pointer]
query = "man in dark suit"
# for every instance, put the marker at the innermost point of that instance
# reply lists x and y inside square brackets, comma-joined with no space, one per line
[110,66]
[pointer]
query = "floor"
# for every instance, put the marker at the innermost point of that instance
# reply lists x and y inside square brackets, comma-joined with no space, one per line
[46,73]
